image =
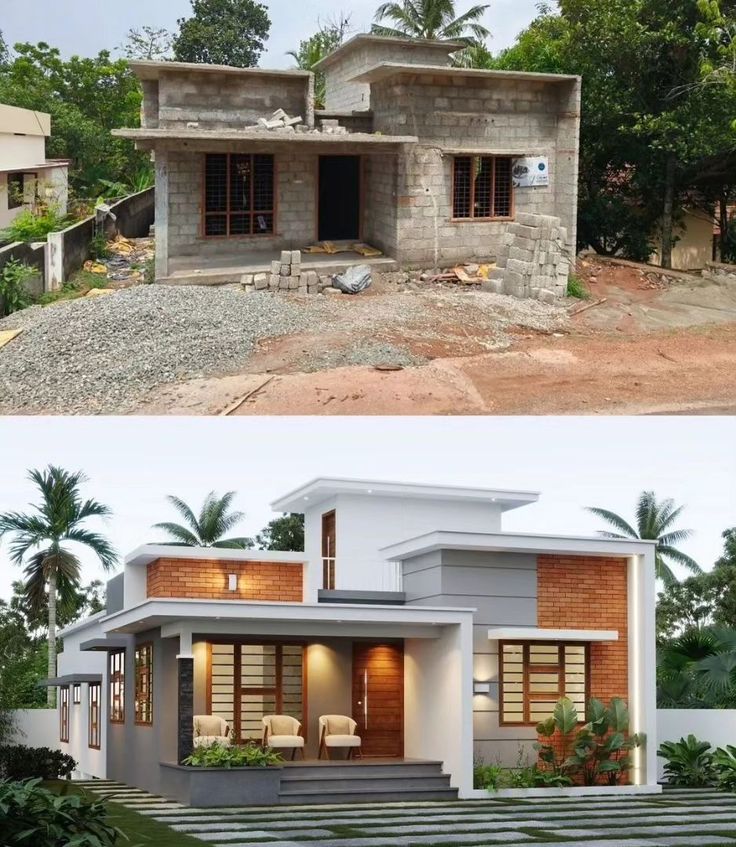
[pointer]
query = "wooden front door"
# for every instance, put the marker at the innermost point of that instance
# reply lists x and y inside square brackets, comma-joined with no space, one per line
[378,697]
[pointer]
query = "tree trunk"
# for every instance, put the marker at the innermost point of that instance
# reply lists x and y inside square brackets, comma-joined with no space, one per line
[723,223]
[668,212]
[51,692]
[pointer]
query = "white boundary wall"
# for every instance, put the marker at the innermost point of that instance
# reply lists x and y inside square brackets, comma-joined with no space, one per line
[36,728]
[717,726]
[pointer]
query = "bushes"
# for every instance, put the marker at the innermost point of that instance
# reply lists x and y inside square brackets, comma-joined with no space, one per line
[35,225]
[31,816]
[13,293]
[694,764]
[220,756]
[19,762]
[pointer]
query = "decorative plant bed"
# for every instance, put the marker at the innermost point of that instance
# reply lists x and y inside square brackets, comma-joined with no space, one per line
[211,787]
[571,791]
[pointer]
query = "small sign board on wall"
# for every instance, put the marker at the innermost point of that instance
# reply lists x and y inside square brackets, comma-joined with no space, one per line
[530,171]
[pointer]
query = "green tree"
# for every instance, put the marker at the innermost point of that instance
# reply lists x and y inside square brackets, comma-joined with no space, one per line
[283,533]
[223,32]
[654,522]
[313,49]
[207,529]
[149,43]
[433,19]
[39,539]
[4,52]
[87,98]
[23,662]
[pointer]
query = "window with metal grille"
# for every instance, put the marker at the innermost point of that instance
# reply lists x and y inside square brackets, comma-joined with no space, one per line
[248,681]
[533,676]
[239,196]
[482,188]
[144,684]
[94,695]
[64,713]
[117,686]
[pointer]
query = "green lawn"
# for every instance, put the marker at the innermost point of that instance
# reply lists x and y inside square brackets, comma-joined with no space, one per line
[138,829]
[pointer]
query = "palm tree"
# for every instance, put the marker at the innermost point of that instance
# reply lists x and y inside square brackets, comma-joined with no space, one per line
[208,529]
[698,669]
[434,19]
[654,521]
[52,571]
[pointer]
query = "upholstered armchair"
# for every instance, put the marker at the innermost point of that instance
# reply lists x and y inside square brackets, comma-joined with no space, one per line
[338,731]
[211,729]
[282,732]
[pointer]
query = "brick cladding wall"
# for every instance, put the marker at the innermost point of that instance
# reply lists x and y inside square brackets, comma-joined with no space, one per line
[578,593]
[208,580]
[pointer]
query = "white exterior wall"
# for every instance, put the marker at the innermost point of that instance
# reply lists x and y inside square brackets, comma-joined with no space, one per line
[36,728]
[89,762]
[21,151]
[716,726]
[438,708]
[366,523]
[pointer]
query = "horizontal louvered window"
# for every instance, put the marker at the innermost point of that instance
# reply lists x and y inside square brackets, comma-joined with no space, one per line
[535,675]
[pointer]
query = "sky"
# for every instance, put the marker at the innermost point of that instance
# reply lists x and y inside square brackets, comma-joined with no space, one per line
[82,27]
[133,463]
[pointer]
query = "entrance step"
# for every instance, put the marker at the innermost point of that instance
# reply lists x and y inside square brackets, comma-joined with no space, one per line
[364,782]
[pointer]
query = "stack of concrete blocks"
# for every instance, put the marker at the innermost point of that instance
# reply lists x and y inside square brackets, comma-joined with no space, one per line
[286,275]
[534,260]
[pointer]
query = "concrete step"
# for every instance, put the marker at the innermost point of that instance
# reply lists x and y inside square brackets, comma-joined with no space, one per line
[366,795]
[353,770]
[395,784]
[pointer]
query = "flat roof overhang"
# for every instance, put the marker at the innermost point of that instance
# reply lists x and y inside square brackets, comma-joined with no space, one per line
[274,138]
[497,542]
[387,70]
[103,645]
[322,488]
[210,616]
[534,633]
[150,70]
[148,553]
[69,679]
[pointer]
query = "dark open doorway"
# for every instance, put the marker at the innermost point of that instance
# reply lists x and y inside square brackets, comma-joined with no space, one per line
[339,198]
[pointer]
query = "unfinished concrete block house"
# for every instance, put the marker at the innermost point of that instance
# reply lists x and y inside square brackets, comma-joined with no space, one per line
[423,160]
[436,634]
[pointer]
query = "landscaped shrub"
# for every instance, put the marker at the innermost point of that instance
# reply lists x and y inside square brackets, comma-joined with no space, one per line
[13,293]
[35,225]
[31,816]
[221,756]
[594,753]
[724,765]
[523,775]
[19,762]
[689,762]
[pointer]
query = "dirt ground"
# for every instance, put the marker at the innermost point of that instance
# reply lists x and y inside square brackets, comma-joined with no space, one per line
[644,345]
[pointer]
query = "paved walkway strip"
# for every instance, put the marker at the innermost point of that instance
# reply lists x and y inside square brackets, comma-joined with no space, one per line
[677,818]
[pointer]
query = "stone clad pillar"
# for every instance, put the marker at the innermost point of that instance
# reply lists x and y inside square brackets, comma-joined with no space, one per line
[185,732]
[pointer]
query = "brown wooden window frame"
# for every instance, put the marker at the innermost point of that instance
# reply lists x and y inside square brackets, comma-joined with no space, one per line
[328,556]
[116,664]
[143,703]
[527,668]
[228,213]
[471,216]
[94,715]
[64,713]
[239,689]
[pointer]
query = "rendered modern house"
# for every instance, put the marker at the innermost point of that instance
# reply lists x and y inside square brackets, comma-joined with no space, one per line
[411,611]
[426,161]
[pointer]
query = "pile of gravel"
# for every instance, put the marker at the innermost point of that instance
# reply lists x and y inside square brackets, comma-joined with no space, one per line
[102,354]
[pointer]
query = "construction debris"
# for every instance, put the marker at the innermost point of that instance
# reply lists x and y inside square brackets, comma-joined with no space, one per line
[286,275]
[355,279]
[280,121]
[7,335]
[124,261]
[330,248]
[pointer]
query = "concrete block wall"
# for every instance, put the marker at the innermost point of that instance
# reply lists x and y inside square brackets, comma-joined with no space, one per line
[508,116]
[342,95]
[380,174]
[534,260]
[228,101]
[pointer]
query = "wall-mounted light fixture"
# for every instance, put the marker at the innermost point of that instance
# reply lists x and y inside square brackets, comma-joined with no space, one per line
[481,687]
[232,582]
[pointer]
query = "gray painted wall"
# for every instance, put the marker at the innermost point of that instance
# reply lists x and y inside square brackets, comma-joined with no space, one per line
[114,594]
[502,588]
[134,752]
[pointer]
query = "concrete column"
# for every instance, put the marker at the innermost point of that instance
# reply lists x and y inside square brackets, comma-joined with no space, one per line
[185,730]
[162,213]
[567,160]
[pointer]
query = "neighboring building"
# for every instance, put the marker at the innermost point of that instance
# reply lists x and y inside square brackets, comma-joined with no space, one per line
[27,177]
[411,155]
[696,235]
[411,609]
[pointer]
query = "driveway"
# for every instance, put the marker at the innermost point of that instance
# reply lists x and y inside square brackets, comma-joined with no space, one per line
[677,818]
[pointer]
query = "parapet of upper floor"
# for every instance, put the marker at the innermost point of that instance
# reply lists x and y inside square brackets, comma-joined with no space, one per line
[218,97]
[364,51]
